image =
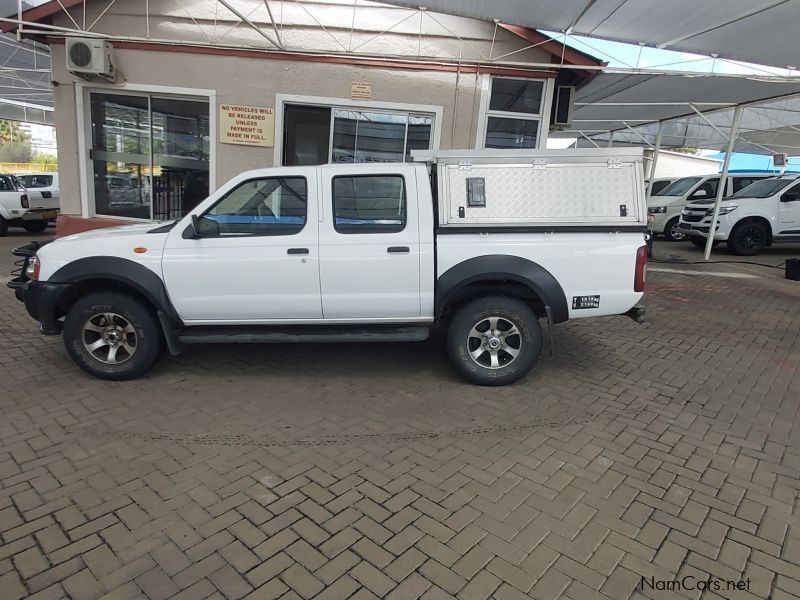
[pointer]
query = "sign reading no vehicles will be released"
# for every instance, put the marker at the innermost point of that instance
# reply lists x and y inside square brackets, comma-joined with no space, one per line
[246,125]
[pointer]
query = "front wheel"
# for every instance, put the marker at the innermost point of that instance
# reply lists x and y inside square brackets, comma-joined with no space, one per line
[35,226]
[671,232]
[748,238]
[494,340]
[112,335]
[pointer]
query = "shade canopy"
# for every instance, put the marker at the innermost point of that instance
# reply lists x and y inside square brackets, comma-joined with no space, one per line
[757,31]
[631,105]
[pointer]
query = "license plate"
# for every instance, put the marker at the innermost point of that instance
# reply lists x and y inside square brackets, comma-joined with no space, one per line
[50,214]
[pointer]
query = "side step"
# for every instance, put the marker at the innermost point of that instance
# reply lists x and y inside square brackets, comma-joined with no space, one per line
[270,335]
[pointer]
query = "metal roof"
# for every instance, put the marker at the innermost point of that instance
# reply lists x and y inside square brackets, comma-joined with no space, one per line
[757,31]
[696,110]
[25,91]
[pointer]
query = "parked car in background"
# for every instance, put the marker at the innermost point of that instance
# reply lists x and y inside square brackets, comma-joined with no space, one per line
[21,208]
[658,184]
[44,185]
[764,213]
[664,210]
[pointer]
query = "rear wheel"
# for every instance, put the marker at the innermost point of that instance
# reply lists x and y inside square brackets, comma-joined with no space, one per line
[671,232]
[3,227]
[748,238]
[112,335]
[494,340]
[35,226]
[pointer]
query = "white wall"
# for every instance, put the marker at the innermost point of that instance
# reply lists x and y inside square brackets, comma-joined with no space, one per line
[676,164]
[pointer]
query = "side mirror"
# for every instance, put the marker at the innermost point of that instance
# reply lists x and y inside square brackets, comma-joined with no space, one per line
[201,227]
[700,194]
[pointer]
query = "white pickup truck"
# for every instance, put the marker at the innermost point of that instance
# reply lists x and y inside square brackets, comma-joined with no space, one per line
[483,243]
[20,207]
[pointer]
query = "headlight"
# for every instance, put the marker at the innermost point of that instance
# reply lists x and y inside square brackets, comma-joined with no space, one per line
[654,210]
[32,270]
[722,211]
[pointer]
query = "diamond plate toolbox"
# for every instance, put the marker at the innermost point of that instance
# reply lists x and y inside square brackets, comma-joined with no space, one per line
[576,187]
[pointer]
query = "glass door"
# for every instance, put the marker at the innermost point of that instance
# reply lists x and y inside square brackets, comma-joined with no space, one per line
[150,154]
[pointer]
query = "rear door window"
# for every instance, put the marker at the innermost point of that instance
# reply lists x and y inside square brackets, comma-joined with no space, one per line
[369,204]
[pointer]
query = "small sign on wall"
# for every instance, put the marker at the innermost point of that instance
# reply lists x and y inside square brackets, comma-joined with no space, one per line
[361,90]
[247,125]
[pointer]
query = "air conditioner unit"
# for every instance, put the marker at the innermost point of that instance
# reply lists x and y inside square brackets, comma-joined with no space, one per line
[562,106]
[90,58]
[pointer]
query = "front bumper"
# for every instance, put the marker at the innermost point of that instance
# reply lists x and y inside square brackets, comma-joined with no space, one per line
[41,301]
[40,297]
[700,230]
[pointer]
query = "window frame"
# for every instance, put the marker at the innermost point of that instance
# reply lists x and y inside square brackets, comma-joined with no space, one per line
[427,110]
[362,175]
[543,116]
[83,91]
[250,235]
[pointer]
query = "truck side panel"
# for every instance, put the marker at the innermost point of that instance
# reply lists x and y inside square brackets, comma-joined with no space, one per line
[585,264]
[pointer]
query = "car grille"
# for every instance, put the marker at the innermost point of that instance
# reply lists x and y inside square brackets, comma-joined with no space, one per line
[693,215]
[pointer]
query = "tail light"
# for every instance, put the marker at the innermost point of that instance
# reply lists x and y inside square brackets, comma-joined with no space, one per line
[24,201]
[641,267]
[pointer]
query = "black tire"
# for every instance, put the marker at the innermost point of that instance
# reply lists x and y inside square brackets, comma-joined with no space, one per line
[475,316]
[670,234]
[35,226]
[700,242]
[131,320]
[748,238]
[3,227]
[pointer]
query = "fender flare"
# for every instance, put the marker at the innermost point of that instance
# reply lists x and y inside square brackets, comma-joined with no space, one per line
[503,267]
[122,270]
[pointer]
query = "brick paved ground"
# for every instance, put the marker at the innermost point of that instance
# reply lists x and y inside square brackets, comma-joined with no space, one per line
[663,450]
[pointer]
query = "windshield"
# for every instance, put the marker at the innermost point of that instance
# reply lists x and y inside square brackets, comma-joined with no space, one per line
[679,187]
[763,188]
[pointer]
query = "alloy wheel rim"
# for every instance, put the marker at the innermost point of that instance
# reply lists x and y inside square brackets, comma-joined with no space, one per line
[751,237]
[494,342]
[109,338]
[676,235]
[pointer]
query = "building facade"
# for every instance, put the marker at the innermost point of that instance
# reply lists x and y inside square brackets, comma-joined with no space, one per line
[206,89]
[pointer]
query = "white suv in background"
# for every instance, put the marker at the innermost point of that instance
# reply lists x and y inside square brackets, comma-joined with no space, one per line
[764,213]
[19,208]
[664,210]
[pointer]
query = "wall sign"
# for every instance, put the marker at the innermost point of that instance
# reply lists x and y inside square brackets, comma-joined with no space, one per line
[361,90]
[247,125]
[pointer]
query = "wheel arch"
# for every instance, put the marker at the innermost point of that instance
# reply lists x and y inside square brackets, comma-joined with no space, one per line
[496,272]
[115,273]
[756,219]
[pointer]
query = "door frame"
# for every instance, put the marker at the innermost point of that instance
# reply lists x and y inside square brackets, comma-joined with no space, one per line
[84,122]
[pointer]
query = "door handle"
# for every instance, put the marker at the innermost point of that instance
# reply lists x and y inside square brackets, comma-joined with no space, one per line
[297,251]
[398,250]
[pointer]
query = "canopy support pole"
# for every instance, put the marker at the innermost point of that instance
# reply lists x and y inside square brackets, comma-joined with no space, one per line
[723,178]
[651,172]
[610,139]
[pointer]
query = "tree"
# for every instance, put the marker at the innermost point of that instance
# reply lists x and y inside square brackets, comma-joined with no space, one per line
[16,152]
[11,132]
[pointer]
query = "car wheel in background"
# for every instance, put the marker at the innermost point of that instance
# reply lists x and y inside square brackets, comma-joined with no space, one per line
[35,226]
[3,227]
[671,232]
[748,238]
